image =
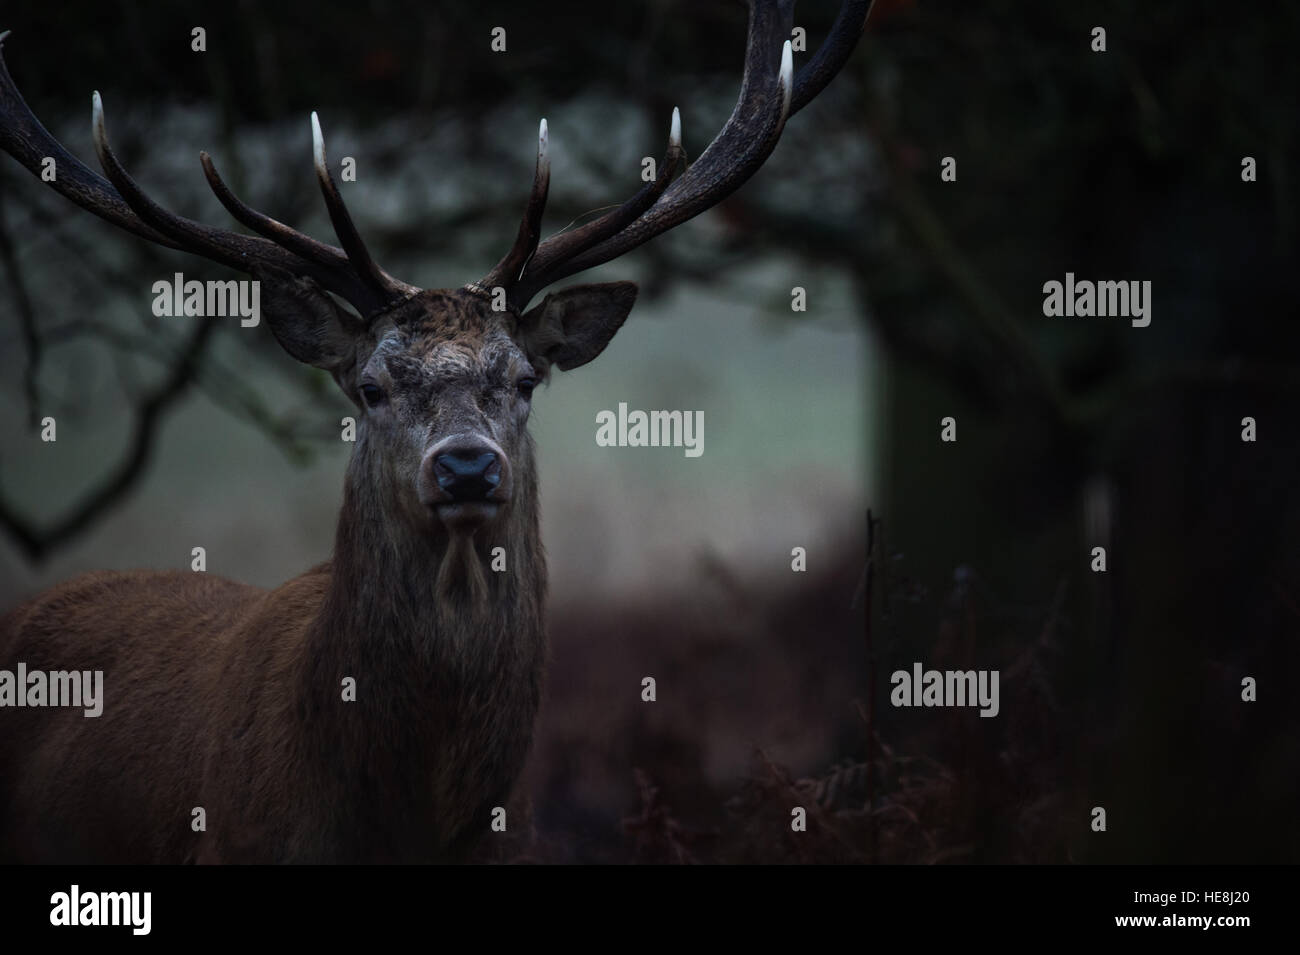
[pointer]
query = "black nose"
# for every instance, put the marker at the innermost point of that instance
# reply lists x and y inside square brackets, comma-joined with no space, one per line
[467,475]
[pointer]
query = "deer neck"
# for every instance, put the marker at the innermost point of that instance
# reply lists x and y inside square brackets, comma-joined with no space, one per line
[446,653]
[431,597]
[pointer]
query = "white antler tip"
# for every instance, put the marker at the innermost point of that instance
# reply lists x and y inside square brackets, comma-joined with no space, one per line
[786,77]
[97,117]
[543,142]
[675,133]
[317,142]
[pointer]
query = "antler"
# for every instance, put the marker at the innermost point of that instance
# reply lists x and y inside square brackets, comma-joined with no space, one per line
[769,95]
[349,272]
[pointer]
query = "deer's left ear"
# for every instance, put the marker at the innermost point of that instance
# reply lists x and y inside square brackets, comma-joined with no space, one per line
[571,327]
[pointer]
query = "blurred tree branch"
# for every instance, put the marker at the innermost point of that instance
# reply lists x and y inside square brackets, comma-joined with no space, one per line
[148,413]
[26,320]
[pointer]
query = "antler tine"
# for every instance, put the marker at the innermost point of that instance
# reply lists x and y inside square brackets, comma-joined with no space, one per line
[185,233]
[275,230]
[735,153]
[769,94]
[216,244]
[24,138]
[568,244]
[832,54]
[297,242]
[238,252]
[344,228]
[508,271]
[121,201]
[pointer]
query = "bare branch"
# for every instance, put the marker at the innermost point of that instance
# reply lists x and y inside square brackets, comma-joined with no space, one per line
[37,542]
[26,322]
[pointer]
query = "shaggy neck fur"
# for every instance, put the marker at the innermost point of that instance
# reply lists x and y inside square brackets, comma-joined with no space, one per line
[447,655]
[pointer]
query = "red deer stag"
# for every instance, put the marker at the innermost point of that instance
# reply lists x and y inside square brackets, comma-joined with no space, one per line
[228,697]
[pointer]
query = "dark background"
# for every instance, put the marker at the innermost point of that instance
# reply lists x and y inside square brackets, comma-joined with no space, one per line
[1119,690]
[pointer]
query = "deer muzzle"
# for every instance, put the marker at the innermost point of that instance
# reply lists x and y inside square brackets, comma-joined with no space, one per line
[465,480]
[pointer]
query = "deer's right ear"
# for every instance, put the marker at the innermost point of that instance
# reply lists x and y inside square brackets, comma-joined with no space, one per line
[306,321]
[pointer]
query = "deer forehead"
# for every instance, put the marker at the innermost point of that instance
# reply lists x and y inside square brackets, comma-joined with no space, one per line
[424,356]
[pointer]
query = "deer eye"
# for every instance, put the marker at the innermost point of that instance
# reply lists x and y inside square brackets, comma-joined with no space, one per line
[372,395]
[526,386]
